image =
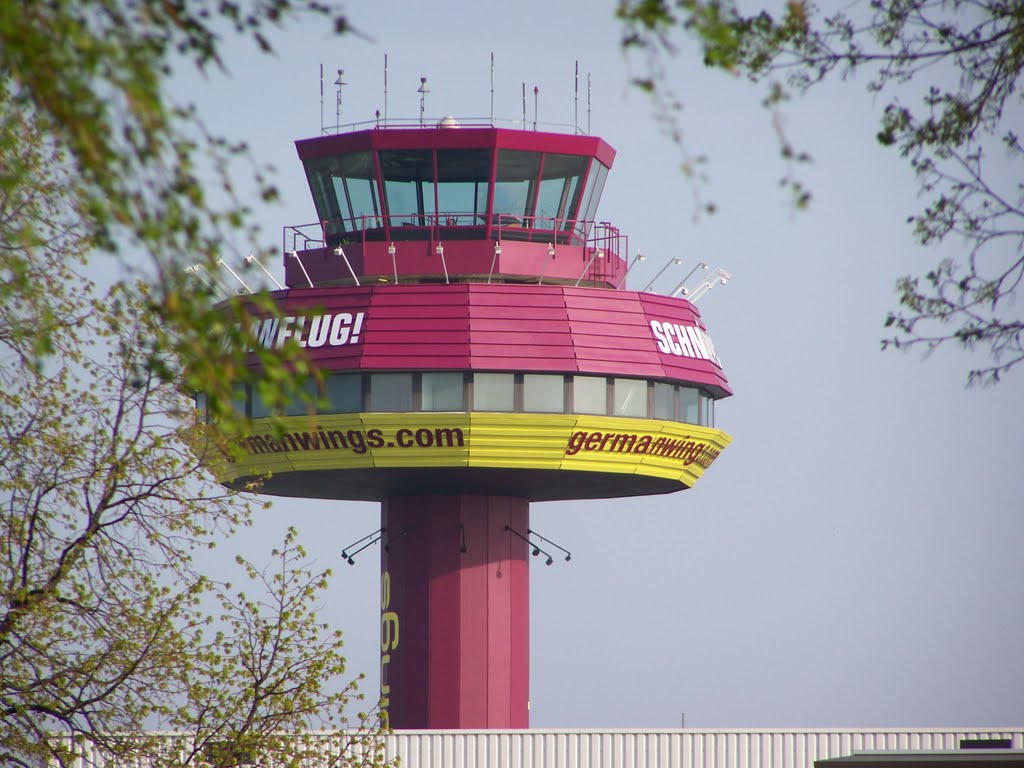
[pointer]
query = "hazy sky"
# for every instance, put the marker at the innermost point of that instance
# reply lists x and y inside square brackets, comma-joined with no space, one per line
[855,557]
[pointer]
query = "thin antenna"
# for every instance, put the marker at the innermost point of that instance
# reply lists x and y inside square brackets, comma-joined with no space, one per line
[339,251]
[385,89]
[340,82]
[588,103]
[250,259]
[497,253]
[234,275]
[423,90]
[536,91]
[492,87]
[295,255]
[321,98]
[638,258]
[194,269]
[721,277]
[440,252]
[681,288]
[576,101]
[598,254]
[669,263]
[524,106]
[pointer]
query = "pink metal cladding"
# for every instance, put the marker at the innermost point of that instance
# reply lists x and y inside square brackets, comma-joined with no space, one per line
[505,327]
[465,137]
[459,586]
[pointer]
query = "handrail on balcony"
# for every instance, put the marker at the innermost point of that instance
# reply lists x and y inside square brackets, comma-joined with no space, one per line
[598,243]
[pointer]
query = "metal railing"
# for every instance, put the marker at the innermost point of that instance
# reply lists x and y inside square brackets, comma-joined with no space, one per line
[600,241]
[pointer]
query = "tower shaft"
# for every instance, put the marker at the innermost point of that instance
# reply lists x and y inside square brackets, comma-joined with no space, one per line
[455,611]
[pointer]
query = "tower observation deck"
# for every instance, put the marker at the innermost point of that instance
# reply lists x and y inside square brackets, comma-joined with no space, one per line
[479,351]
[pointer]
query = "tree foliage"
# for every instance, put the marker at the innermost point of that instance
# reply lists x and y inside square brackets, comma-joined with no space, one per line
[949,71]
[108,630]
[108,627]
[91,77]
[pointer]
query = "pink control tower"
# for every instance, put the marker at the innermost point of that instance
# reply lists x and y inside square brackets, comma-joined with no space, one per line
[479,351]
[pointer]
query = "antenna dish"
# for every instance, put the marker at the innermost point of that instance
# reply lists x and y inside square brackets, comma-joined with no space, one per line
[447,122]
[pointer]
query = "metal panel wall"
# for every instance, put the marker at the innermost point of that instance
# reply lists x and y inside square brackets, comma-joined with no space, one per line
[499,327]
[726,748]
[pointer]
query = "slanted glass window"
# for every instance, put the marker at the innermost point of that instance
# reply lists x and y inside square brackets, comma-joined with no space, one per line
[304,400]
[442,392]
[630,397]
[543,393]
[689,405]
[559,195]
[663,397]
[390,392]
[595,187]
[589,394]
[463,177]
[408,186]
[361,187]
[345,393]
[515,186]
[325,182]
[494,392]
[591,197]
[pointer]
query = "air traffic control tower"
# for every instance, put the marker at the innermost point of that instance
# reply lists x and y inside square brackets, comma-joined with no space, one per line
[480,351]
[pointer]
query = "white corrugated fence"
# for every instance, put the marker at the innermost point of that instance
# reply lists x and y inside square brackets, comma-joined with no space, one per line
[675,748]
[725,748]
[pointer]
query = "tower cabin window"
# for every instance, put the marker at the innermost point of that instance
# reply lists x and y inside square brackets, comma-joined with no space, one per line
[463,183]
[345,194]
[408,187]
[538,192]
[515,187]
[591,197]
[558,199]
[532,196]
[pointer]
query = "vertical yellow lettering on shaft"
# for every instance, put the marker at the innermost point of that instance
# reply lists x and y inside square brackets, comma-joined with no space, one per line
[388,631]
[388,641]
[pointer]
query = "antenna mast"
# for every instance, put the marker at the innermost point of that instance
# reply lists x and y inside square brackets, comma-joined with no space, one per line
[576,100]
[492,87]
[321,99]
[423,90]
[385,89]
[588,103]
[340,82]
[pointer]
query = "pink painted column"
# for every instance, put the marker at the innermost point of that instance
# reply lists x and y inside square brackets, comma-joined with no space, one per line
[455,612]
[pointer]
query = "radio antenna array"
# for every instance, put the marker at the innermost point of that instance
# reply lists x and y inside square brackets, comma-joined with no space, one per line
[340,82]
[576,100]
[588,103]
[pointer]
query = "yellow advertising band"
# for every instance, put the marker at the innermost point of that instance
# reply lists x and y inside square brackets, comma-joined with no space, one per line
[662,449]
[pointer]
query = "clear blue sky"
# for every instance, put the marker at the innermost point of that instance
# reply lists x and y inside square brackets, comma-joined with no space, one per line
[854,558]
